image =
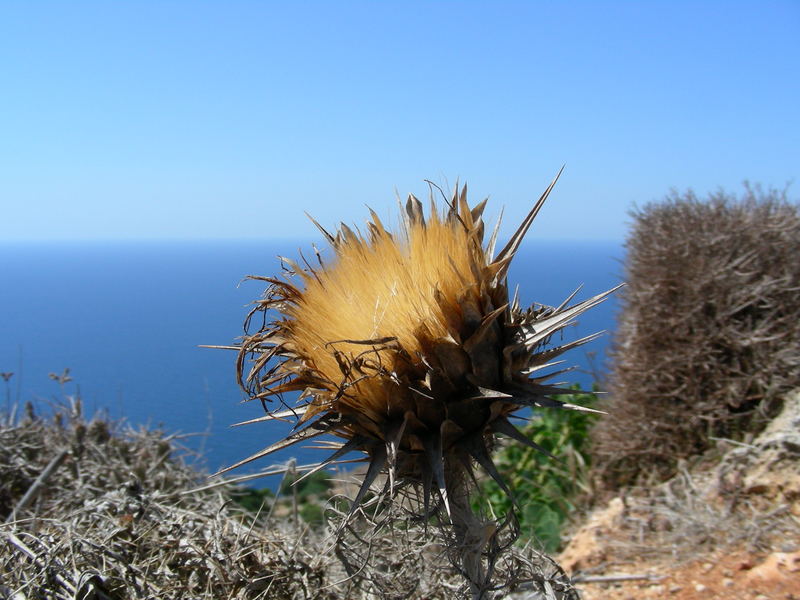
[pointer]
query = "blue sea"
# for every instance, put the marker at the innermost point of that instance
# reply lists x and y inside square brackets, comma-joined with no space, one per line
[127,319]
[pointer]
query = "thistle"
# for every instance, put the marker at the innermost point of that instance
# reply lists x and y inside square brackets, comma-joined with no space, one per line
[408,348]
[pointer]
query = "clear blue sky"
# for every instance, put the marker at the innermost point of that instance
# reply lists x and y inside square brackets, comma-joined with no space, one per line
[123,120]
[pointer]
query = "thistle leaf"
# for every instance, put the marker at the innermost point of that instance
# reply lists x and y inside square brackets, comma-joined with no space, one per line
[504,426]
[306,433]
[375,466]
[355,443]
[477,449]
[433,451]
[513,244]
[283,415]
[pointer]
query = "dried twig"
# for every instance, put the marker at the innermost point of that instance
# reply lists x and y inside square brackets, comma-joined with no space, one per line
[36,486]
[18,543]
[615,578]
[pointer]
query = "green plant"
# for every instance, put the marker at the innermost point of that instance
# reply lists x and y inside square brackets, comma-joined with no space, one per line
[546,488]
[312,513]
[252,499]
[310,494]
[317,484]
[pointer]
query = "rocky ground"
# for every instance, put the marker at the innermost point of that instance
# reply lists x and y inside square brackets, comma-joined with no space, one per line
[727,527]
[723,575]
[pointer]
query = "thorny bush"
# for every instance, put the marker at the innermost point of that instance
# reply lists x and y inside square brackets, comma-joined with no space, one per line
[708,335]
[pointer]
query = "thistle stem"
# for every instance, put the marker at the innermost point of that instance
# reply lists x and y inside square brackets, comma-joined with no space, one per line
[470,540]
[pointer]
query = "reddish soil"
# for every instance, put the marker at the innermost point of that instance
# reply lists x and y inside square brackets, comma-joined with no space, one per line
[723,576]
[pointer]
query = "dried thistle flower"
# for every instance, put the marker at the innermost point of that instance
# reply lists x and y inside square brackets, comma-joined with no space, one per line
[409,349]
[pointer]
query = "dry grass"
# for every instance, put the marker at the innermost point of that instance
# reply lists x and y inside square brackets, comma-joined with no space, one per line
[118,519]
[738,496]
[96,509]
[679,523]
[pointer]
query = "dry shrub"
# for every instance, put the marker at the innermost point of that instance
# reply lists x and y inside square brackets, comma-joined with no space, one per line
[394,557]
[118,514]
[708,335]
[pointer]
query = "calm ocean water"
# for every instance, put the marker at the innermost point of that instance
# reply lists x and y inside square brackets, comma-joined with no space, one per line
[127,319]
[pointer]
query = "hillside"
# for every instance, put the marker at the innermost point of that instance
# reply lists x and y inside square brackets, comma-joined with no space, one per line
[117,513]
[727,527]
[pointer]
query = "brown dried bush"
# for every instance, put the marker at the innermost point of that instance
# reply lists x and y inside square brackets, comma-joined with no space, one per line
[100,511]
[117,514]
[708,335]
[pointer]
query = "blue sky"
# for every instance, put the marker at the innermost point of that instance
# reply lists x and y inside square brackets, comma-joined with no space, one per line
[199,120]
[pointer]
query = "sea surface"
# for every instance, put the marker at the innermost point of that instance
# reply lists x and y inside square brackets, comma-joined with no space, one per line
[128,320]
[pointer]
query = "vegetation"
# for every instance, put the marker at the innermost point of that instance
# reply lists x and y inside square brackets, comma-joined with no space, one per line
[252,499]
[307,498]
[708,343]
[547,489]
[708,337]
[409,349]
[96,509]
[317,485]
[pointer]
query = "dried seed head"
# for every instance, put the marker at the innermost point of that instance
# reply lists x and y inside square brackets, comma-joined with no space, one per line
[407,347]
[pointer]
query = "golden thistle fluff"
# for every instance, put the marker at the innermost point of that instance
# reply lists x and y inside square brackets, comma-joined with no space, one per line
[407,347]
